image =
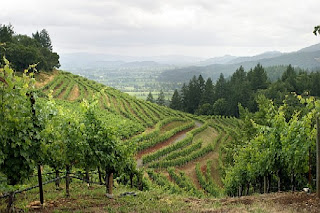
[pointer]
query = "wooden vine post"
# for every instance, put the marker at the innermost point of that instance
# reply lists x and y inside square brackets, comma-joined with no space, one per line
[36,126]
[318,157]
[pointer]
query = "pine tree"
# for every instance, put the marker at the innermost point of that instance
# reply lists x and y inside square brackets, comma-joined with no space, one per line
[161,98]
[150,97]
[176,101]
[201,84]
[220,88]
[183,96]
[289,77]
[208,93]
[240,91]
[258,78]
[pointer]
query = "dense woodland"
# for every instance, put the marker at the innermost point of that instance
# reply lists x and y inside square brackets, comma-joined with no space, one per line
[222,98]
[22,50]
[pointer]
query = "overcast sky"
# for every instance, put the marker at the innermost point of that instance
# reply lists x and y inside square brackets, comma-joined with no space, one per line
[204,28]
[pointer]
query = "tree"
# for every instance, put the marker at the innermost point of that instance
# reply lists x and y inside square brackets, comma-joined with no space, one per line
[176,101]
[258,78]
[150,97]
[6,33]
[220,88]
[193,95]
[183,95]
[22,50]
[289,77]
[239,91]
[316,30]
[204,109]
[161,99]
[220,107]
[208,93]
[43,38]
[201,84]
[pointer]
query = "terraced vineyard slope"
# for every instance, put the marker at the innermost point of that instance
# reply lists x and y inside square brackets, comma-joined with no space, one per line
[179,150]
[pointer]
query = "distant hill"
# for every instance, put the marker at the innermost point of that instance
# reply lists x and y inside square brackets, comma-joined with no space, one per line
[74,61]
[307,58]
[271,54]
[217,60]
[312,48]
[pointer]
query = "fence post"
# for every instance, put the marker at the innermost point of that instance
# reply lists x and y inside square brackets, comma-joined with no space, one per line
[318,158]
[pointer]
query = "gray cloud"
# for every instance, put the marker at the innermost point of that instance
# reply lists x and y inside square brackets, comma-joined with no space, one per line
[192,27]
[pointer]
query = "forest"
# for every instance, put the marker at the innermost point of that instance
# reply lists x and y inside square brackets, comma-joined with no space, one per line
[202,97]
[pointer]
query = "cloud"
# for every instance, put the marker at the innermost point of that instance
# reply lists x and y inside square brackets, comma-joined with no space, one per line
[144,25]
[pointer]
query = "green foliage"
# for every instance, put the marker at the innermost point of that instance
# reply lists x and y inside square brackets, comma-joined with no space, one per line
[184,182]
[16,123]
[176,101]
[43,39]
[244,88]
[22,50]
[161,99]
[150,98]
[206,182]
[272,144]
[6,33]
[168,149]
[316,30]
[163,181]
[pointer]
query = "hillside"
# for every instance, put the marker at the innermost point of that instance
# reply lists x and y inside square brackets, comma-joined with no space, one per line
[307,58]
[178,153]
[170,139]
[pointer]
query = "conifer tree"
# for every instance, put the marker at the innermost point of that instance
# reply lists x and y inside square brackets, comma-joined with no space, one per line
[221,88]
[258,78]
[176,101]
[161,98]
[150,97]
[208,93]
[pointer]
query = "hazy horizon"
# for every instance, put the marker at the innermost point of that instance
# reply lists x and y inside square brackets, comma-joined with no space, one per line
[140,28]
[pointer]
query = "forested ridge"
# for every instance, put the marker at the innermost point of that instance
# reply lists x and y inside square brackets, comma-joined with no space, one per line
[204,97]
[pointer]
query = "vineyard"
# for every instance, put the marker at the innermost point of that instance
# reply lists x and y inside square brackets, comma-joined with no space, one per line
[80,127]
[64,132]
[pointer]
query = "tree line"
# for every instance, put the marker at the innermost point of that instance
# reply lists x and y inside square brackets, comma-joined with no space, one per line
[222,98]
[23,50]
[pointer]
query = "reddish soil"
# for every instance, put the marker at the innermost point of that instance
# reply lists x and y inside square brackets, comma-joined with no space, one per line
[161,145]
[44,78]
[74,93]
[204,169]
